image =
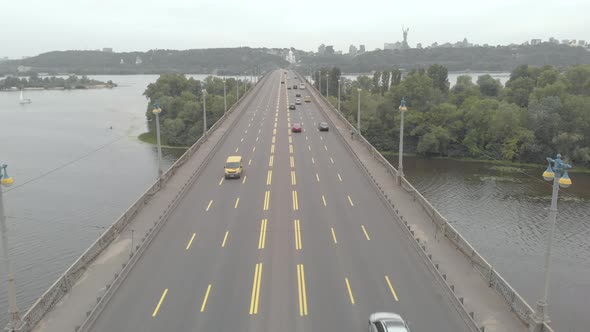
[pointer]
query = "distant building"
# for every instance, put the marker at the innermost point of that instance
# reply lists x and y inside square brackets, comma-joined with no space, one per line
[352,50]
[107,49]
[138,60]
[581,43]
[434,45]
[122,62]
[339,52]
[464,43]
[553,40]
[565,41]
[23,69]
[330,49]
[535,42]
[362,49]
[322,49]
[419,46]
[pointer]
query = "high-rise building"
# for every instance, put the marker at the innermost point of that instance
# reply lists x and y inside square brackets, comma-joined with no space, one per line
[330,49]
[107,49]
[352,50]
[419,46]
[553,40]
[536,42]
[362,49]
[322,49]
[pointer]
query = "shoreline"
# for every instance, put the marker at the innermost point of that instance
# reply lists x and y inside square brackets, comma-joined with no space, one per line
[150,138]
[90,87]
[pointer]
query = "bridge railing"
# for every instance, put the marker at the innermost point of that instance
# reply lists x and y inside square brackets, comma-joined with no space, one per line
[66,281]
[495,281]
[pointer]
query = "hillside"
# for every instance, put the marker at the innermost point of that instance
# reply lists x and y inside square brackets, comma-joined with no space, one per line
[202,61]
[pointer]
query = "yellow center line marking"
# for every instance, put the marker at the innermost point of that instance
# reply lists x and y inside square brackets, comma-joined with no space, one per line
[266,200]
[256,289]
[301,290]
[237,149]
[274,131]
[333,235]
[331,160]
[275,124]
[209,206]
[295,201]
[365,231]
[317,177]
[326,148]
[244,181]
[339,177]
[289,130]
[349,291]
[224,239]
[205,298]
[274,139]
[324,200]
[292,161]
[290,140]
[293,178]
[297,226]
[190,241]
[237,203]
[221,181]
[270,161]
[262,238]
[290,148]
[160,303]
[350,200]
[391,288]
[269,178]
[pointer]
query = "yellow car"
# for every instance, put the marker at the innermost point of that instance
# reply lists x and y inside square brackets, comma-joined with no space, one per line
[307,99]
[233,167]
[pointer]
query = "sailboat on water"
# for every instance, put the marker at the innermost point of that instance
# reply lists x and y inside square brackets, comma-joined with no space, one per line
[24,100]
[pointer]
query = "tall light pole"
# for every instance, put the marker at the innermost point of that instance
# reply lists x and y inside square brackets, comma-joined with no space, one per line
[557,173]
[320,85]
[358,113]
[224,97]
[400,166]
[14,315]
[204,112]
[327,85]
[157,110]
[339,79]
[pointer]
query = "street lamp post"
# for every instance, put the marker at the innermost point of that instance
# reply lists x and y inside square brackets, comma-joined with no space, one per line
[358,113]
[157,110]
[14,315]
[339,95]
[224,97]
[320,85]
[557,173]
[204,112]
[327,85]
[400,167]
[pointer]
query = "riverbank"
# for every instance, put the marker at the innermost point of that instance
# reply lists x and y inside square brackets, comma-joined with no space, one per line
[150,138]
[575,169]
[89,87]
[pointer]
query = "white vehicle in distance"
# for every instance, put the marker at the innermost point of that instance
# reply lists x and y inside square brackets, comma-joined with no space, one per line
[297,101]
[301,86]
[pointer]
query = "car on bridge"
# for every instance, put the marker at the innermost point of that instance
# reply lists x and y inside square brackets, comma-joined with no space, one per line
[323,126]
[288,87]
[292,106]
[297,94]
[233,167]
[297,101]
[307,99]
[387,322]
[296,128]
[301,86]
[295,86]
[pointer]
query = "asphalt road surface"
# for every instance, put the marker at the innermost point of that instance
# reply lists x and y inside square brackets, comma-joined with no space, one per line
[302,242]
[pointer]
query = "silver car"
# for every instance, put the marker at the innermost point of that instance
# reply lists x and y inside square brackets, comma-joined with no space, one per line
[387,322]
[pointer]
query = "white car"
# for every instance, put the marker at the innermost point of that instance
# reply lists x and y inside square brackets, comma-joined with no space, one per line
[297,101]
[387,322]
[301,86]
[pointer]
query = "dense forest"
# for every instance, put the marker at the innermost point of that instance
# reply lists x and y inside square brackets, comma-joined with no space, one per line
[500,58]
[181,101]
[34,81]
[221,61]
[539,113]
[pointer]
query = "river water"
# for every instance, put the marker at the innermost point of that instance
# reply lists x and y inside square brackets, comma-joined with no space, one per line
[74,176]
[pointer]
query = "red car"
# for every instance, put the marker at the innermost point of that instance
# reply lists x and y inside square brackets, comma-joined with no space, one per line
[296,128]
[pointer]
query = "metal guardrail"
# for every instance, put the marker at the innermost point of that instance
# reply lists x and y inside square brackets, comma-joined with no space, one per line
[495,281]
[65,282]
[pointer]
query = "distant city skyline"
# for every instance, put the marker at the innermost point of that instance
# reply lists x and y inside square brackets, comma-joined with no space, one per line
[136,25]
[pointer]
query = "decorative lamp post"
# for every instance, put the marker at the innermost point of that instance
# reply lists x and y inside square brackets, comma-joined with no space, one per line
[157,110]
[400,168]
[14,314]
[204,112]
[558,174]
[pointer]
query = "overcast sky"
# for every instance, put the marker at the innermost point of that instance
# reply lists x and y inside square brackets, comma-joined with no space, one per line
[30,27]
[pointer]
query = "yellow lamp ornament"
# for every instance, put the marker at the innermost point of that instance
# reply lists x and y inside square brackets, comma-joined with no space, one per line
[6,179]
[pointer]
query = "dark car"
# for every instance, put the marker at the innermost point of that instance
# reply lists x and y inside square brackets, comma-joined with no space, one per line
[297,94]
[289,87]
[295,86]
[323,126]
[296,128]
[292,106]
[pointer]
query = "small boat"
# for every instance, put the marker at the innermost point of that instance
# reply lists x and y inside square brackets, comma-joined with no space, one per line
[24,100]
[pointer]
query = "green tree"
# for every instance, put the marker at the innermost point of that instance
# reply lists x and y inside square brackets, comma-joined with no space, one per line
[488,86]
[440,77]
